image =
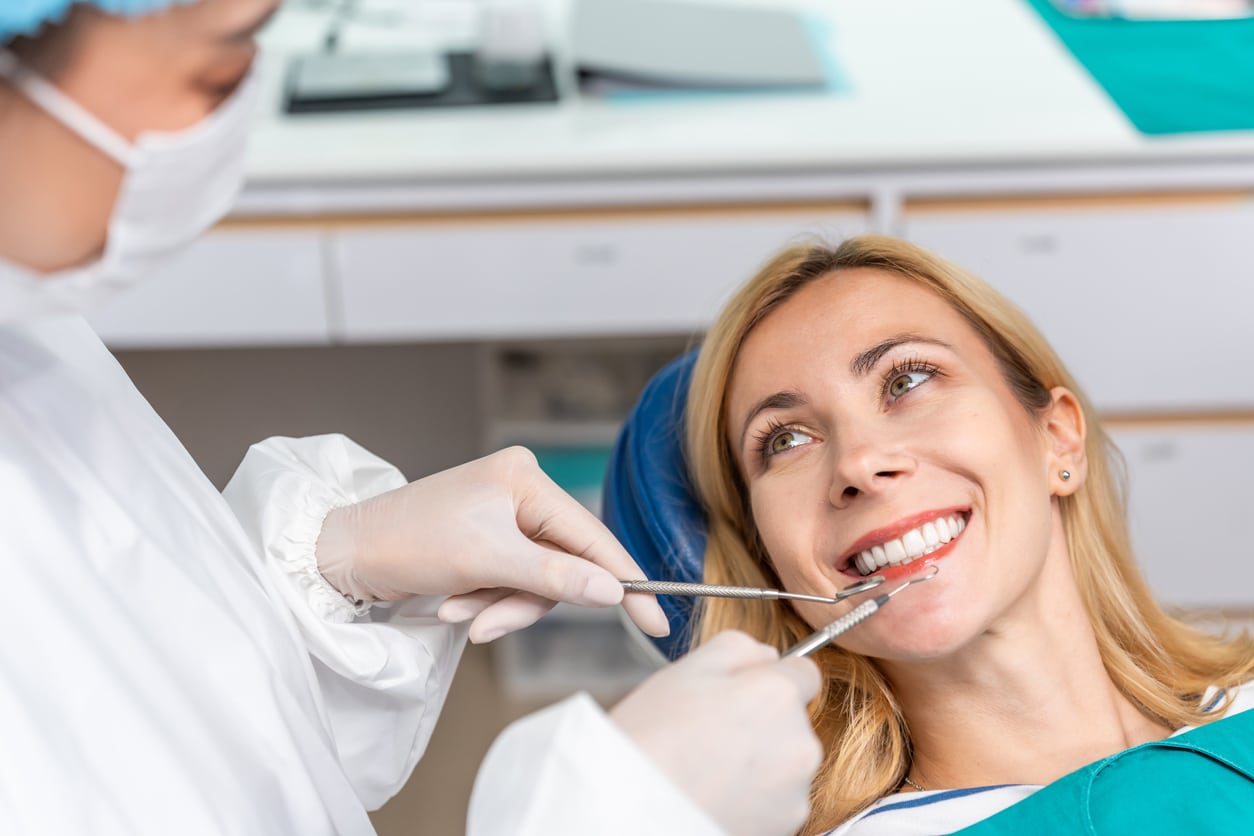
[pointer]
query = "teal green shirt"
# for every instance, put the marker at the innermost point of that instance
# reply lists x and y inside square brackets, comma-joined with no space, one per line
[1201,781]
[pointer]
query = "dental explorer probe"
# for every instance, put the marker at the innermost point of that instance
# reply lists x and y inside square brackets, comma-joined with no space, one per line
[851,619]
[709,590]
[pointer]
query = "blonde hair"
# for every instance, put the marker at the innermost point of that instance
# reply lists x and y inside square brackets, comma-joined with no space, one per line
[1160,664]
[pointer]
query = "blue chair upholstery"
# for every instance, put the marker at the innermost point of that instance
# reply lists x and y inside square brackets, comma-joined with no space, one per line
[648,500]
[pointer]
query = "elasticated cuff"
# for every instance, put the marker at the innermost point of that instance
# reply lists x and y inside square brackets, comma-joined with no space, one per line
[299,559]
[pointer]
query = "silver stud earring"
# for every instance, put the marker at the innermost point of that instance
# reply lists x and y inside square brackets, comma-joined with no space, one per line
[1066,474]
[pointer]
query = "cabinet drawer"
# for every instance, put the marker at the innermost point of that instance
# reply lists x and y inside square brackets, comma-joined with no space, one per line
[231,288]
[1150,308]
[1191,491]
[520,278]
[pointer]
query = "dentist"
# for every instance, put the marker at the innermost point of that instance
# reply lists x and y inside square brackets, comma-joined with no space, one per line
[273,659]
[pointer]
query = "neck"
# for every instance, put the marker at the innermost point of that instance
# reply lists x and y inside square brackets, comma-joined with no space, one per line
[1026,703]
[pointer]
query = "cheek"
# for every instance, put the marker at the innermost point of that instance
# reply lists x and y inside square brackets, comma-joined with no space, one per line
[160,81]
[175,106]
[785,525]
[819,615]
[991,440]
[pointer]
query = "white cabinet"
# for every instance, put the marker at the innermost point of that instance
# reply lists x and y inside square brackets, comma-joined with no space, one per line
[1152,308]
[574,275]
[231,288]
[1191,500]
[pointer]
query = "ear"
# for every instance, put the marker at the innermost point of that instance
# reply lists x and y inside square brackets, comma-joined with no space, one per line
[1065,432]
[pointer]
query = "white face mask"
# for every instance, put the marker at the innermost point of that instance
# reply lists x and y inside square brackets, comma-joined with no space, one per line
[176,185]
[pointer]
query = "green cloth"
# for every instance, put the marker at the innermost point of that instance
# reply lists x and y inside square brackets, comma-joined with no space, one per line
[1167,76]
[1199,782]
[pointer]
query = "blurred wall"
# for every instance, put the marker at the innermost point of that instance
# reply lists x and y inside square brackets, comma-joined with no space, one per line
[416,406]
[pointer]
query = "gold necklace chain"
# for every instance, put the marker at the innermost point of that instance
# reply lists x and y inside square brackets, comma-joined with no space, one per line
[918,787]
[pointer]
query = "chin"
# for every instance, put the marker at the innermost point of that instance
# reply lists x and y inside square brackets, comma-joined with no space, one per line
[927,640]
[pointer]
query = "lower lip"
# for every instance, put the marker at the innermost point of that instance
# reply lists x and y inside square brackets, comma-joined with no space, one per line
[903,570]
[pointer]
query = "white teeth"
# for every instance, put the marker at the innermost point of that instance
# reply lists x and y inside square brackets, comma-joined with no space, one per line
[895,550]
[915,543]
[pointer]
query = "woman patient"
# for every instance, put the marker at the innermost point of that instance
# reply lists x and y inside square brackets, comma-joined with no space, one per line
[874,409]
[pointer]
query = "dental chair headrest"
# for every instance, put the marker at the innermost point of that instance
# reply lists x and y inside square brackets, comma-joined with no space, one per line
[648,499]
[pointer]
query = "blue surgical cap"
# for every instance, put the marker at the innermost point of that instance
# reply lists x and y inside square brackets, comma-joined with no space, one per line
[25,17]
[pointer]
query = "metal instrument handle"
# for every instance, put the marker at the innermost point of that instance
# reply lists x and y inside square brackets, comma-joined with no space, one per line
[702,589]
[836,629]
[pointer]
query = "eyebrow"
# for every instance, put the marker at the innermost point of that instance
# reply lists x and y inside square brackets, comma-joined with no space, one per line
[780,400]
[864,361]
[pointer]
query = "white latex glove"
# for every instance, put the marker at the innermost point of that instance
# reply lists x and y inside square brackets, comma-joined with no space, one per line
[728,725]
[496,534]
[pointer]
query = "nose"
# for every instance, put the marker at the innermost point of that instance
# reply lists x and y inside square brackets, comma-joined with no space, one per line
[864,464]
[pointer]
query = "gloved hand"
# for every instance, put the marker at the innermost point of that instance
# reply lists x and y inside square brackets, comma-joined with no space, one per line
[496,534]
[728,725]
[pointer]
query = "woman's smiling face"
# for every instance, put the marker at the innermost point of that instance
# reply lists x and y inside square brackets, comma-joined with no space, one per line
[875,431]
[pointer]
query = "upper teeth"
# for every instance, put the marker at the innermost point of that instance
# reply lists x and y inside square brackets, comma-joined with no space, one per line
[914,543]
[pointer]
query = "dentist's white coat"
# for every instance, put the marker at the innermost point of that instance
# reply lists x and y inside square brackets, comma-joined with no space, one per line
[166,666]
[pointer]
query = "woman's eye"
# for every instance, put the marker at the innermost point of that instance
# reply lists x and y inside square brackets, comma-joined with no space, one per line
[904,382]
[786,440]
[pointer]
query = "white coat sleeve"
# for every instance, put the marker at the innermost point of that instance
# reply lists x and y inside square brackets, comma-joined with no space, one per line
[383,675]
[569,771]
